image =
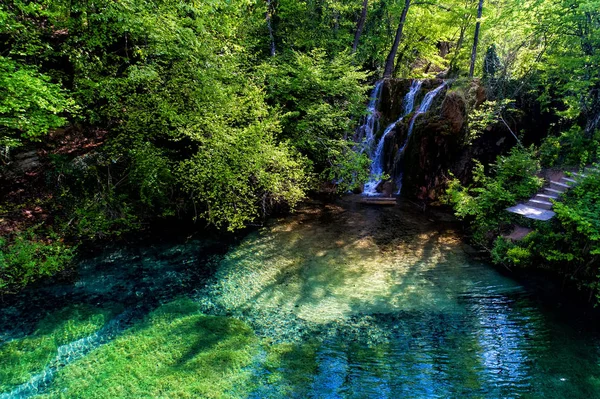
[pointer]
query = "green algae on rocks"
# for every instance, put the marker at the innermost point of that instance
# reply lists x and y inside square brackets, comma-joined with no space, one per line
[24,357]
[176,352]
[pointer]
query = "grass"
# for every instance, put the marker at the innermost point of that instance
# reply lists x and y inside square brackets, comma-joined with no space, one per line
[21,358]
[176,352]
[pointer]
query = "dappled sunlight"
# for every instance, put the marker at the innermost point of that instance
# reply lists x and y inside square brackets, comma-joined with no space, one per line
[397,312]
[174,352]
[326,271]
[325,304]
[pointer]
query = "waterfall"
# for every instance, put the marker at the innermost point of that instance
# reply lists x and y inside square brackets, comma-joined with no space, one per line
[377,163]
[368,129]
[269,15]
[424,107]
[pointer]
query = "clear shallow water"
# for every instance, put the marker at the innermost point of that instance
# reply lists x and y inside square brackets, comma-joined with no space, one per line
[341,301]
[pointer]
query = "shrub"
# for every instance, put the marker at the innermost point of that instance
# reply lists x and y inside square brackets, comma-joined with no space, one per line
[30,104]
[320,98]
[572,148]
[29,257]
[512,178]
[569,244]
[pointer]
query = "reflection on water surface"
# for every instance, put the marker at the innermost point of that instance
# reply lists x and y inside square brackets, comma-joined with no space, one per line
[345,301]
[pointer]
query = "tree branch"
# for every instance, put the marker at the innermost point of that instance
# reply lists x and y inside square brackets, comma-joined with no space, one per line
[426,3]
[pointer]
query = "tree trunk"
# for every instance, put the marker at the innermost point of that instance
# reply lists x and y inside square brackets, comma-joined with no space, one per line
[593,112]
[476,39]
[399,59]
[591,102]
[270,27]
[461,39]
[464,25]
[360,25]
[389,63]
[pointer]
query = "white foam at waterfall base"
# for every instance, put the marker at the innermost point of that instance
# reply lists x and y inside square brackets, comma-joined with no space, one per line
[377,163]
[370,188]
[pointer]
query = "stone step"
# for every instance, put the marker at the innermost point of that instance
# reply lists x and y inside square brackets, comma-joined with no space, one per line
[578,175]
[531,212]
[545,197]
[568,181]
[558,186]
[551,191]
[539,204]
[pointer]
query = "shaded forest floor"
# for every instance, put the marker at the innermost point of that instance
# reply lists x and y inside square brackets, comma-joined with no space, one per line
[29,183]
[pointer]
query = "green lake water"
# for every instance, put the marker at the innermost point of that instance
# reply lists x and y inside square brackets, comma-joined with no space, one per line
[337,301]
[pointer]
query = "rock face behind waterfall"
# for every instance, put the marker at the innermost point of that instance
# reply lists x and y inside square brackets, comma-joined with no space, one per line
[431,129]
[437,144]
[435,147]
[392,97]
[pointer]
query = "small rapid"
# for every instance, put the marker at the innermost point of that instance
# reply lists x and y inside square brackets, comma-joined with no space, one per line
[368,129]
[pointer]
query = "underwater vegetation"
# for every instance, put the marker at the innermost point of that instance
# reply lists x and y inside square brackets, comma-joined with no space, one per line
[323,304]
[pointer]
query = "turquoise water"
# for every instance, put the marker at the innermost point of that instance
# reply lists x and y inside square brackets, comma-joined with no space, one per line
[337,301]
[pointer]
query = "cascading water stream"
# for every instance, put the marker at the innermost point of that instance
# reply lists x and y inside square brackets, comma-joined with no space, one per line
[424,107]
[368,129]
[377,163]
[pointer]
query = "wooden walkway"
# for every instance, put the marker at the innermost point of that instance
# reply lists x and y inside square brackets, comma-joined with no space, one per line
[391,201]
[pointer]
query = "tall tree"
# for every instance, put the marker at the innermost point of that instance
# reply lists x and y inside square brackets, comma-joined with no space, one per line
[270,26]
[360,25]
[461,17]
[389,63]
[476,39]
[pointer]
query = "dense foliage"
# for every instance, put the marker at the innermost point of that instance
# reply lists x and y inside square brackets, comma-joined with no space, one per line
[30,104]
[320,100]
[569,244]
[30,256]
[226,110]
[511,179]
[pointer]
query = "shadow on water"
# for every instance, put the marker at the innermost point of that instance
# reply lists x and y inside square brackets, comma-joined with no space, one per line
[399,309]
[350,301]
[136,280]
[134,276]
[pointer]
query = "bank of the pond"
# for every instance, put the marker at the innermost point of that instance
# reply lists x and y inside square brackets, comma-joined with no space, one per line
[340,300]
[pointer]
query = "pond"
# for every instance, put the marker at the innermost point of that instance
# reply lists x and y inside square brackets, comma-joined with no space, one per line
[339,300]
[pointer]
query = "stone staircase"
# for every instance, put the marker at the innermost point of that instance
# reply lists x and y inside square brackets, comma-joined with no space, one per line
[540,206]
